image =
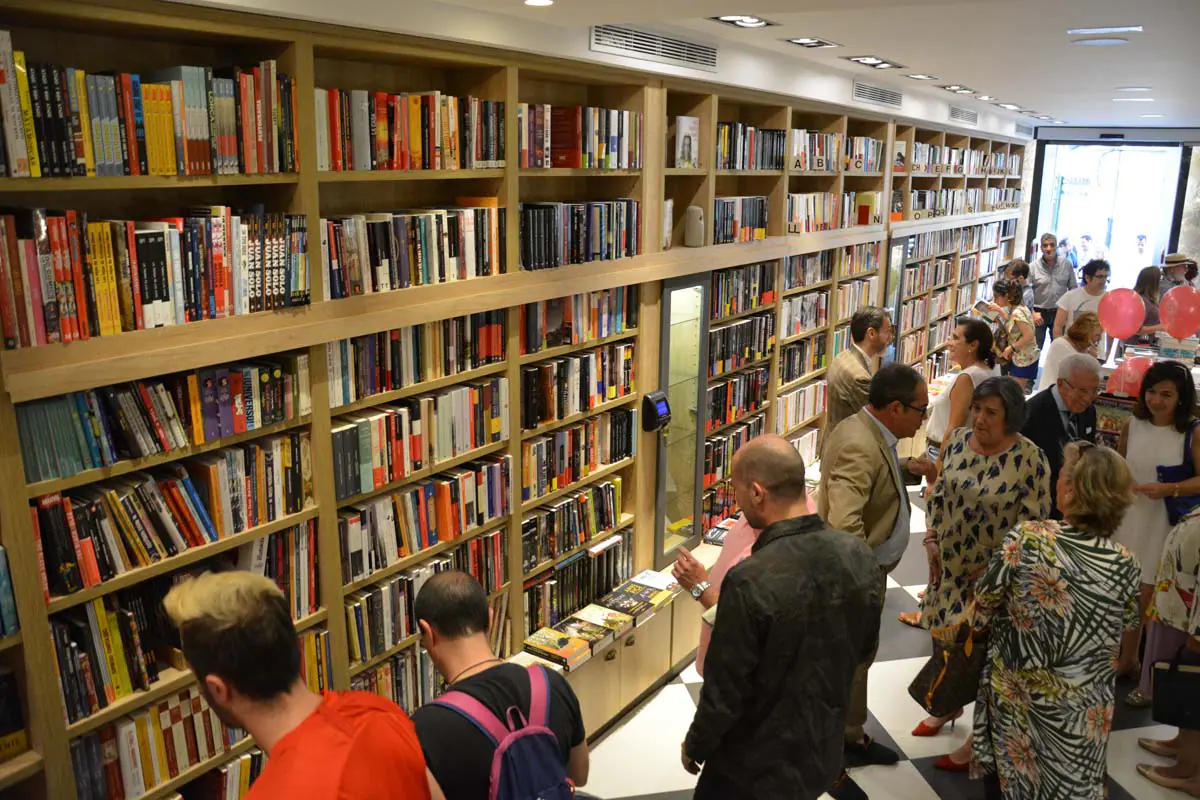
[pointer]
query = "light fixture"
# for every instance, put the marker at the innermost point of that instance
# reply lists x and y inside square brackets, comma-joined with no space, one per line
[922,77]
[874,61]
[1009,106]
[1133,99]
[1151,116]
[1045,117]
[1113,41]
[1133,88]
[1057,122]
[1102,31]
[985,97]
[813,43]
[743,21]
[539,2]
[954,87]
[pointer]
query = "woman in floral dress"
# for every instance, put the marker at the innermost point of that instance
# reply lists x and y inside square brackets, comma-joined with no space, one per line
[1057,597]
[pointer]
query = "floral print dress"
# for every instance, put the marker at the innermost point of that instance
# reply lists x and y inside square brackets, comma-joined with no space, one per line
[1179,579]
[1057,600]
[975,501]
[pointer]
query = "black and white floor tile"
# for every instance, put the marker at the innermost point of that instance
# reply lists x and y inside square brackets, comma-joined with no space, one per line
[639,759]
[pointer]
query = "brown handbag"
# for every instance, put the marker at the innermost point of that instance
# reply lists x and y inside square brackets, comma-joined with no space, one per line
[950,679]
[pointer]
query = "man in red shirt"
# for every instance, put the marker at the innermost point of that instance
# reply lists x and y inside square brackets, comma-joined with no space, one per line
[238,638]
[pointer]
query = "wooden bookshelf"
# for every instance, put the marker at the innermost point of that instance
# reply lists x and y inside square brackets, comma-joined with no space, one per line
[20,768]
[166,789]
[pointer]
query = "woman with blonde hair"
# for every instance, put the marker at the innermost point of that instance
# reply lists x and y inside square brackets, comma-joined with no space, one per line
[1082,336]
[1057,597]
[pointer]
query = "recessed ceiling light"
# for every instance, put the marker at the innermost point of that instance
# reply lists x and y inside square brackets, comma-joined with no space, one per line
[1106,42]
[1045,117]
[874,61]
[813,43]
[539,2]
[922,77]
[743,20]
[1102,31]
[1133,88]
[1133,99]
[985,97]
[1058,122]
[957,89]
[1009,106]
[1151,116]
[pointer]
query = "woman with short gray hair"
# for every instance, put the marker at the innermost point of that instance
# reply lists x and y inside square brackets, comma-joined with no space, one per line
[992,478]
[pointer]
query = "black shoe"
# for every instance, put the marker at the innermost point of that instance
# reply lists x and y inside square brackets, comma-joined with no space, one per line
[869,752]
[846,789]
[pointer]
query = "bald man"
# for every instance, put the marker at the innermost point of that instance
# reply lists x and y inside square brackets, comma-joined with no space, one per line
[794,622]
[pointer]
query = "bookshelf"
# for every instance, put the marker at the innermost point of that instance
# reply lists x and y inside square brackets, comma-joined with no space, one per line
[140,36]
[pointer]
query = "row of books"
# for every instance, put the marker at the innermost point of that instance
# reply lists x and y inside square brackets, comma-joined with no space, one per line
[64,122]
[64,278]
[933,158]
[717,504]
[740,219]
[999,163]
[68,434]
[91,535]
[941,303]
[814,151]
[1008,228]
[861,259]
[805,442]
[745,147]
[384,251]
[573,583]
[806,270]
[402,357]
[934,243]
[558,459]
[864,154]
[10,625]
[941,331]
[995,199]
[912,347]
[937,365]
[968,269]
[564,387]
[804,313]
[578,319]
[801,358]
[970,239]
[841,339]
[409,679]
[800,406]
[988,262]
[856,294]
[914,313]
[989,235]
[720,449]
[378,533]
[364,130]
[558,234]
[230,781]
[742,342]
[569,638]
[740,289]
[818,211]
[131,756]
[578,137]
[380,617]
[550,532]
[732,398]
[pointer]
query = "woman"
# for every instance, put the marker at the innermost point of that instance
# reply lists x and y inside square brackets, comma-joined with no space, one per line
[1147,286]
[1154,437]
[1022,351]
[971,349]
[992,478]
[1175,623]
[1082,336]
[1057,596]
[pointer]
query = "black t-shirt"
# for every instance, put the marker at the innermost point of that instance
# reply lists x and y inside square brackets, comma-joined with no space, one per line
[460,756]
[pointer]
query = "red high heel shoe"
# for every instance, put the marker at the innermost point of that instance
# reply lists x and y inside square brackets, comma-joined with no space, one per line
[948,764]
[933,730]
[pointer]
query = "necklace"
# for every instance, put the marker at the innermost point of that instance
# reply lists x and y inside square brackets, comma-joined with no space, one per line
[473,666]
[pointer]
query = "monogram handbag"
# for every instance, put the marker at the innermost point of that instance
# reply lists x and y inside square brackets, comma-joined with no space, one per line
[1177,692]
[950,679]
[1179,507]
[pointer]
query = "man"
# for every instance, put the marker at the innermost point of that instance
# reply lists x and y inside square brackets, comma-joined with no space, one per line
[849,378]
[1064,413]
[238,638]
[1175,268]
[793,622]
[453,614]
[863,493]
[1052,278]
[1085,298]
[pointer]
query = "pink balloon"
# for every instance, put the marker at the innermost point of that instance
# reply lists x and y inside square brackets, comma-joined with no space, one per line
[1122,313]
[1127,377]
[1180,311]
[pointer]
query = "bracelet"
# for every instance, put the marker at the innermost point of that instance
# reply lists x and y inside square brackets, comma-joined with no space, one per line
[1175,490]
[929,540]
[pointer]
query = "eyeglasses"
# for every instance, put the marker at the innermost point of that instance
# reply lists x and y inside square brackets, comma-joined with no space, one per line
[922,410]
[1089,392]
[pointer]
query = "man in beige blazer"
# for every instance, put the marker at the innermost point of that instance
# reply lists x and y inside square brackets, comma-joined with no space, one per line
[863,494]
[850,374]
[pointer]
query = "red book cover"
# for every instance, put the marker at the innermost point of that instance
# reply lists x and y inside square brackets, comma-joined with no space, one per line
[83,329]
[41,557]
[135,278]
[85,666]
[135,167]
[60,255]
[111,760]
[84,572]
[236,387]
[566,131]
[335,129]
[260,103]
[179,511]
[159,433]
[91,567]
[11,319]
[24,304]
[381,130]
[402,112]
[245,121]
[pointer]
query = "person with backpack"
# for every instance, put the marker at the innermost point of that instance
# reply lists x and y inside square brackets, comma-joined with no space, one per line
[501,731]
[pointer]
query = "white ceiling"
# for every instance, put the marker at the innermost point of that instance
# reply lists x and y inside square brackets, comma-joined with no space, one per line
[1015,50]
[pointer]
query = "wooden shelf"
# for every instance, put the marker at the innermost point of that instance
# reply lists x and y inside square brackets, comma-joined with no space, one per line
[750,173]
[803,379]
[813,420]
[561,172]
[362,666]
[599,474]
[625,521]
[863,173]
[395,175]
[424,473]
[127,183]
[190,774]
[812,173]
[567,349]
[726,426]
[423,555]
[912,227]
[609,405]
[916,329]
[19,768]
[805,289]
[189,556]
[9,642]
[423,387]
[760,362]
[158,459]
[688,171]
[805,335]
[750,312]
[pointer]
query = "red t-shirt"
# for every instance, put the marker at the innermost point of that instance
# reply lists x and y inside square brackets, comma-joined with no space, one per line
[355,746]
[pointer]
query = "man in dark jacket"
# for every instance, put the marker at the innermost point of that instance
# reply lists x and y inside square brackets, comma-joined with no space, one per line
[1064,413]
[794,621]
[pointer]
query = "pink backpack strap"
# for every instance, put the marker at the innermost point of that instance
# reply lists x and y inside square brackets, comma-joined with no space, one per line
[476,712]
[539,694]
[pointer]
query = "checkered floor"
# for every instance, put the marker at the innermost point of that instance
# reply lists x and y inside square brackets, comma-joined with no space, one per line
[639,759]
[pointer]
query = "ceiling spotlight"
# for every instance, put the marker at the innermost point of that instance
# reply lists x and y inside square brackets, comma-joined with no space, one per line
[1057,122]
[1133,99]
[813,43]
[539,2]
[1133,88]
[870,61]
[743,21]
[1103,31]
[922,77]
[957,89]
[1009,106]
[1151,116]
[1106,42]
[1045,117]
[985,97]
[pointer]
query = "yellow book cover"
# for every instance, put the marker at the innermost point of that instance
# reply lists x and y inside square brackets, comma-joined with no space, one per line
[93,234]
[169,130]
[352,633]
[110,648]
[150,123]
[128,533]
[146,752]
[616,482]
[85,122]
[35,165]
[197,415]
[310,657]
[246,763]
[159,744]
[122,658]
[416,159]
[110,278]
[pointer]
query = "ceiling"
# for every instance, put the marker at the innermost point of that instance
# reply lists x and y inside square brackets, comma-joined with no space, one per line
[1015,50]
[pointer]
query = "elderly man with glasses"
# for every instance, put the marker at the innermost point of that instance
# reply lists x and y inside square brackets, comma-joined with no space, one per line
[1065,413]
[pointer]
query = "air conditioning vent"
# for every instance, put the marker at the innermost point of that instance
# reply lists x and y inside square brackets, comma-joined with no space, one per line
[1025,130]
[964,115]
[869,93]
[632,43]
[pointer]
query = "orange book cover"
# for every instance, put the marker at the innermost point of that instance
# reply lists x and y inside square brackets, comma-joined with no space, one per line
[446,519]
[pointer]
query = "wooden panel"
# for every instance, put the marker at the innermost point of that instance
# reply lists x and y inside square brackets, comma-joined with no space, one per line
[685,628]
[645,656]
[597,686]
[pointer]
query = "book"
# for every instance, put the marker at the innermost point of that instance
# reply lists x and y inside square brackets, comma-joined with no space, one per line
[578,137]
[687,142]
[9,625]
[744,147]
[14,739]
[578,319]
[1112,412]
[899,156]
[557,234]
[557,459]
[598,637]
[740,219]
[565,650]
[617,622]
[579,382]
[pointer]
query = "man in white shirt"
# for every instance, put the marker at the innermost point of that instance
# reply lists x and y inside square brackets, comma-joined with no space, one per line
[1052,278]
[1084,299]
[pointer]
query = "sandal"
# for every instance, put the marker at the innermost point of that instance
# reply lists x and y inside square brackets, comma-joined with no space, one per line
[1157,747]
[911,618]
[1138,699]
[1187,785]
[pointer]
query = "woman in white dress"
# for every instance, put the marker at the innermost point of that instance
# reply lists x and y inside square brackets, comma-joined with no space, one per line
[1154,437]
[971,348]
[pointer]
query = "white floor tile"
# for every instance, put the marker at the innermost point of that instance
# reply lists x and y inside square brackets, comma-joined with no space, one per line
[891,583]
[901,782]
[642,755]
[915,591]
[887,697]
[690,675]
[1124,755]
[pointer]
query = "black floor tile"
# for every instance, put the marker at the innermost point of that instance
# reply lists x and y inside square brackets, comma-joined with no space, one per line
[957,786]
[914,566]
[897,640]
[1125,717]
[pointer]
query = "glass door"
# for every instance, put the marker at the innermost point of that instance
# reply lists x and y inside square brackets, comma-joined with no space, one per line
[680,455]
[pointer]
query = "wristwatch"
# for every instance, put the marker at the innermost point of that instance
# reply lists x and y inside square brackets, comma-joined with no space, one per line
[699,589]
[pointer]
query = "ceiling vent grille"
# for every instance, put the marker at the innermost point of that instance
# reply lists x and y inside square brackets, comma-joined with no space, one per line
[632,43]
[964,115]
[1025,130]
[869,93]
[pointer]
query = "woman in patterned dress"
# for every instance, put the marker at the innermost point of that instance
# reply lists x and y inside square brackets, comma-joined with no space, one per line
[992,478]
[1057,596]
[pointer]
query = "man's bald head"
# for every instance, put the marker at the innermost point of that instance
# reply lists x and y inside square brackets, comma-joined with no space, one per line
[772,463]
